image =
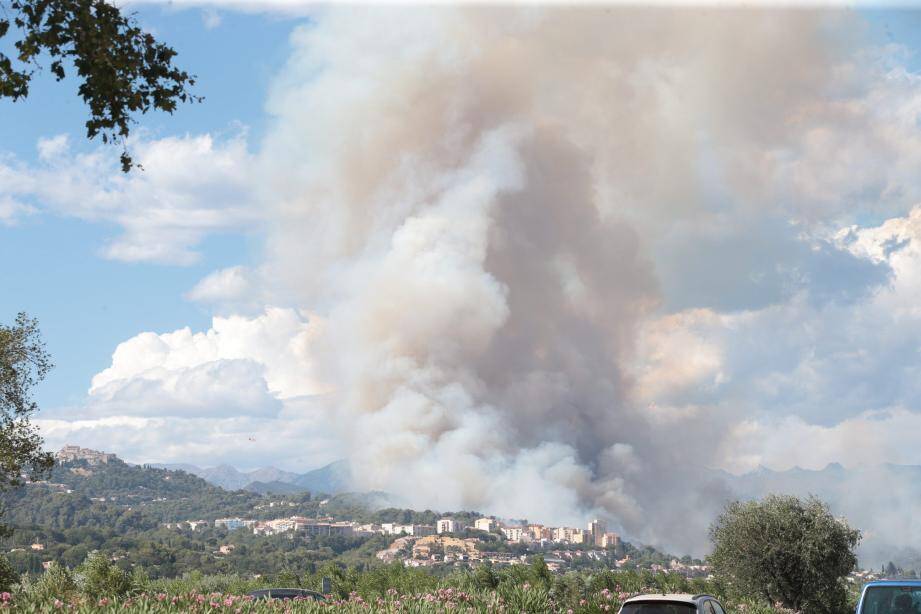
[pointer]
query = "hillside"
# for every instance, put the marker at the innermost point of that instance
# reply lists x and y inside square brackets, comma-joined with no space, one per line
[119,481]
[131,512]
[122,509]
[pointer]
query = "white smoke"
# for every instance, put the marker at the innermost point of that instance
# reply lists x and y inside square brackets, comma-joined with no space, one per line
[483,204]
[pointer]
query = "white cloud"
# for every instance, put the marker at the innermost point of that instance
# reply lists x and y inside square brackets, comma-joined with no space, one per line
[53,147]
[217,388]
[190,187]
[236,289]
[241,392]
[11,210]
[210,18]
[276,343]
[297,438]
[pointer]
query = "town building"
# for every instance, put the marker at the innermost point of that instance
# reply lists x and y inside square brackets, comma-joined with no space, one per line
[597,529]
[610,540]
[485,524]
[341,528]
[448,525]
[516,534]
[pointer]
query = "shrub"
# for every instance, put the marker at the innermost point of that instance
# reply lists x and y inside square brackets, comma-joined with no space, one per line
[99,577]
[56,583]
[8,575]
[785,551]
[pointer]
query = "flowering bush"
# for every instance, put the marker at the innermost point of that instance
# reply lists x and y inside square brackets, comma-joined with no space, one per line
[100,587]
[508,599]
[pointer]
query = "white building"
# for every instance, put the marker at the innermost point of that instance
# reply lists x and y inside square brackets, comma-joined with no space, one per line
[516,534]
[447,525]
[485,524]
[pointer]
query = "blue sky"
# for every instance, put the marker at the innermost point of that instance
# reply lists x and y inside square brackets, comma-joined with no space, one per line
[85,303]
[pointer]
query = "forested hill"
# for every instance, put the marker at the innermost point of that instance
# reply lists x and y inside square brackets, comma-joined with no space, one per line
[118,481]
[78,493]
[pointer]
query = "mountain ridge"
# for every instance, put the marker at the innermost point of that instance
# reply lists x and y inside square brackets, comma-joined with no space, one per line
[333,478]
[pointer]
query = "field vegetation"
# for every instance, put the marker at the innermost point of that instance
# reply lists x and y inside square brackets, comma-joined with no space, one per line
[100,586]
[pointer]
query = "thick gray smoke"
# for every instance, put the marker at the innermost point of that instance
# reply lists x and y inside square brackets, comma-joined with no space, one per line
[481,206]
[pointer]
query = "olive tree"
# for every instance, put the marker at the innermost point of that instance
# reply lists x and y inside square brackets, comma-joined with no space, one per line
[23,363]
[785,550]
[122,69]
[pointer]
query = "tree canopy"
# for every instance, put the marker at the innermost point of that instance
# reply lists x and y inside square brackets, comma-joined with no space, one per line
[122,69]
[786,550]
[23,363]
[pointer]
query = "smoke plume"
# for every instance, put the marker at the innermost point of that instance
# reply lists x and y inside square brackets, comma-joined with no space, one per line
[510,226]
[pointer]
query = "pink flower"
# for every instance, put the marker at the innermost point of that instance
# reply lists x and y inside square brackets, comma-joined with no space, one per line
[103,602]
[58,603]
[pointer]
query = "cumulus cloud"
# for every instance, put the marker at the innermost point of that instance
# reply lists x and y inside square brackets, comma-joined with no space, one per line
[189,187]
[240,392]
[277,341]
[234,290]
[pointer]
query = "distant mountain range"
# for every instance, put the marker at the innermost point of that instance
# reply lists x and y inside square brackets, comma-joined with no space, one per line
[332,479]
